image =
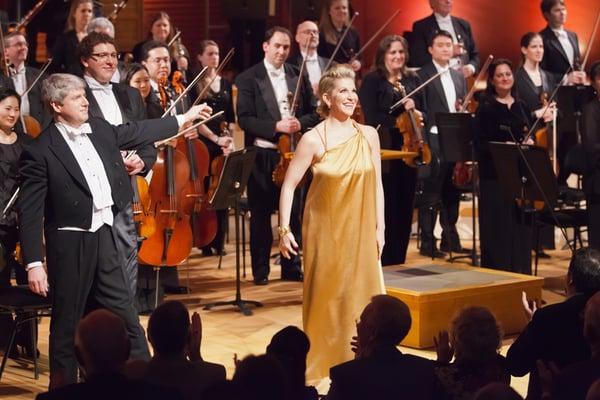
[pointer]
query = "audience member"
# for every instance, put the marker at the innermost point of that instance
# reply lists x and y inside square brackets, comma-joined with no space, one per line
[174,339]
[260,378]
[290,346]
[594,392]
[555,332]
[102,348]
[497,391]
[379,368]
[474,340]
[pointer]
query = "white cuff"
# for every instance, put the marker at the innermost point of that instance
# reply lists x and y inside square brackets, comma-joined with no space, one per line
[33,265]
[180,120]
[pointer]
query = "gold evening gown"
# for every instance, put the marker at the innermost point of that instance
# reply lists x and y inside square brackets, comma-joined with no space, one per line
[341,268]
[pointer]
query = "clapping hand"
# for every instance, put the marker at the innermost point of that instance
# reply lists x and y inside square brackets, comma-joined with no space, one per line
[529,306]
[443,348]
[195,338]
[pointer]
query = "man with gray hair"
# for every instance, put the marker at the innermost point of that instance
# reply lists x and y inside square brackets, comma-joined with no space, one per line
[101,25]
[73,184]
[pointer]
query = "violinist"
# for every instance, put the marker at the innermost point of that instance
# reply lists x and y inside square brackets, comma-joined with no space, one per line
[220,98]
[137,76]
[334,21]
[15,51]
[307,38]
[264,114]
[377,94]
[73,182]
[501,117]
[64,51]
[591,142]
[442,95]
[464,50]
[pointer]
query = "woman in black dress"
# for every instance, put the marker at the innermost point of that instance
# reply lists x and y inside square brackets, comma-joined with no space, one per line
[64,51]
[219,97]
[377,94]
[505,234]
[335,17]
[137,76]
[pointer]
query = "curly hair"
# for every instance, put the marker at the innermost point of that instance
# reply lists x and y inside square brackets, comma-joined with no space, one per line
[327,83]
[475,334]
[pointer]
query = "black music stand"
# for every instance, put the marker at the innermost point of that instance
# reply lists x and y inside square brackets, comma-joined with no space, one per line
[232,183]
[455,132]
[518,167]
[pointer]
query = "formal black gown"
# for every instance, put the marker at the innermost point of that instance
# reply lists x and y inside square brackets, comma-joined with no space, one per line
[349,47]
[377,95]
[64,54]
[505,231]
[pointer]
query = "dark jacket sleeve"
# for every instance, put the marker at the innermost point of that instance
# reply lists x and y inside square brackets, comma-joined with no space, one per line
[470,45]
[250,122]
[523,353]
[419,55]
[147,153]
[136,134]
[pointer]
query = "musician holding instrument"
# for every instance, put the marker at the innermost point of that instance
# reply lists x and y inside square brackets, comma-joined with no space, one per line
[22,77]
[64,51]
[333,24]
[464,50]
[591,142]
[264,114]
[307,38]
[379,91]
[73,184]
[443,95]
[219,97]
[501,117]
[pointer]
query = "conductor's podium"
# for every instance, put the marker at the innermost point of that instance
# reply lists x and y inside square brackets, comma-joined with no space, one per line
[436,292]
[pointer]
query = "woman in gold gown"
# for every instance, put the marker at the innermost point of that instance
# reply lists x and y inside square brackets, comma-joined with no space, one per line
[343,226]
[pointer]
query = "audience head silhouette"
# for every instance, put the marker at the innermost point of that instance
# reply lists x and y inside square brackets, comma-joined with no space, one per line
[385,321]
[290,346]
[101,342]
[261,378]
[591,326]
[168,329]
[584,272]
[497,391]
[475,334]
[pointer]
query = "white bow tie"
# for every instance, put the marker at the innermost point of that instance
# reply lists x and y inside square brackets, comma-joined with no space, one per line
[18,72]
[276,73]
[82,129]
[98,86]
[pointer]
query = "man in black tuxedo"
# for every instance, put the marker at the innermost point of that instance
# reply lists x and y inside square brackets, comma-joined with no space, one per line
[379,369]
[555,332]
[22,76]
[73,184]
[441,96]
[307,37]
[464,50]
[264,115]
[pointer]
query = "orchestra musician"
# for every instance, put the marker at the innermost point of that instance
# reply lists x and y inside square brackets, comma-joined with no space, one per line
[220,98]
[117,104]
[76,161]
[442,95]
[264,114]
[501,117]
[335,17]
[307,38]
[137,76]
[103,25]
[22,76]
[464,51]
[591,142]
[64,51]
[377,94]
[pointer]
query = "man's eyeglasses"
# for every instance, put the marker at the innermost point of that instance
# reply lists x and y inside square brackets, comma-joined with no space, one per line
[104,56]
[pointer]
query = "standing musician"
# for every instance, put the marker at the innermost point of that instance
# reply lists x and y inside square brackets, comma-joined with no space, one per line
[442,95]
[77,162]
[335,17]
[22,76]
[591,142]
[499,113]
[264,114]
[220,98]
[307,38]
[117,104]
[64,51]
[464,50]
[377,94]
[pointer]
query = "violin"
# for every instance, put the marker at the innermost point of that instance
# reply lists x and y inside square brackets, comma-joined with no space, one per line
[409,125]
[112,17]
[143,216]
[217,164]
[541,135]
[286,145]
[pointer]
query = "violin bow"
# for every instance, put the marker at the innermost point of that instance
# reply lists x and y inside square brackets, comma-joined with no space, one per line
[189,129]
[227,58]
[34,10]
[591,42]
[374,36]
[174,38]
[339,43]
[480,77]
[37,78]
[186,90]
[117,8]
[300,80]
[417,89]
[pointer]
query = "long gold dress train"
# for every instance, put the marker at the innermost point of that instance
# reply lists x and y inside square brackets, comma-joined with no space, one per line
[341,269]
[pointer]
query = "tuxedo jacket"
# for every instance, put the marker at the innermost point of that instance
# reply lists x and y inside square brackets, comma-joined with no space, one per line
[257,107]
[54,192]
[132,108]
[296,60]
[423,29]
[555,60]
[36,105]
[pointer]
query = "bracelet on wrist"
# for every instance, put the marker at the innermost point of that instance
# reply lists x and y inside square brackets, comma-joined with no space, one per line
[283,230]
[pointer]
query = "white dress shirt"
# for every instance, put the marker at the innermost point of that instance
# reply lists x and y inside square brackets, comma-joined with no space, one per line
[280,87]
[106,99]
[20,81]
[448,86]
[445,24]
[563,38]
[313,68]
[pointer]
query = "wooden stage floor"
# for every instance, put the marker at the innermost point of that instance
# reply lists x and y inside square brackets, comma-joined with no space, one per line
[228,332]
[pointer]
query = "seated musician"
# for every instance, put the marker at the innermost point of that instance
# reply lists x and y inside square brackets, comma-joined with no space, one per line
[307,38]
[334,21]
[264,115]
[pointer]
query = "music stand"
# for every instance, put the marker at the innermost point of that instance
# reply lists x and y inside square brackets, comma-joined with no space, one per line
[455,132]
[232,183]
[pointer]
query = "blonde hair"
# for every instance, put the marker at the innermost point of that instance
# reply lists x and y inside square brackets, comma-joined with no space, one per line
[327,83]
[325,24]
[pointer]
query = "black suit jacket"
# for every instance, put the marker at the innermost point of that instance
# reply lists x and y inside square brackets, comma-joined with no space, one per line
[36,106]
[64,54]
[555,60]
[296,60]
[387,374]
[423,29]
[54,192]
[132,108]
[528,92]
[257,105]
[591,145]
